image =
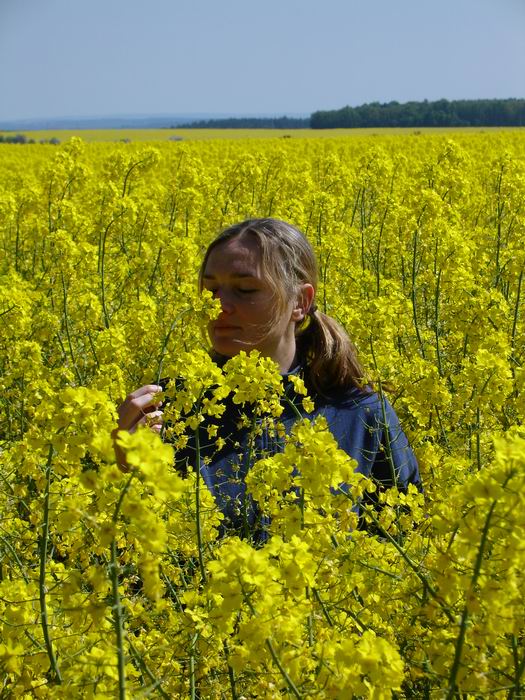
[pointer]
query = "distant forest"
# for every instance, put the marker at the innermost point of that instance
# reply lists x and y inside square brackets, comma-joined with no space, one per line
[23,139]
[413,114]
[249,123]
[509,112]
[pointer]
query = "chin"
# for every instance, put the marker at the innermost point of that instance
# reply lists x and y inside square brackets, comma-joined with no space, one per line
[228,348]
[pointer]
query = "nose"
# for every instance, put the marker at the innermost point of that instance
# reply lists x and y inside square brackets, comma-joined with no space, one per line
[225,299]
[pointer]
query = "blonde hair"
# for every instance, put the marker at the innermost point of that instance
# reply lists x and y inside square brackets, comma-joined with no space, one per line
[328,356]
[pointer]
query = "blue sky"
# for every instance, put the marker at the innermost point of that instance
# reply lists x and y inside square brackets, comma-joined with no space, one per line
[107,57]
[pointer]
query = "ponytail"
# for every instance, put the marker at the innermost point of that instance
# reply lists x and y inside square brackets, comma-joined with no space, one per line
[329,357]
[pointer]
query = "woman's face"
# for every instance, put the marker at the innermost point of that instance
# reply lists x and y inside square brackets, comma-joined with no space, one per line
[249,317]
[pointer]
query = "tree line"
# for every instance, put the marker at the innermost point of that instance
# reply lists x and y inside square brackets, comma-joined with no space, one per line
[23,139]
[249,123]
[508,112]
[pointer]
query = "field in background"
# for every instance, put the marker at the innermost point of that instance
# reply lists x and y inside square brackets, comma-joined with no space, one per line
[141,135]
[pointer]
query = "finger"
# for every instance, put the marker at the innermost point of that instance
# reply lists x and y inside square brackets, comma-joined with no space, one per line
[144,400]
[137,405]
[146,389]
[153,420]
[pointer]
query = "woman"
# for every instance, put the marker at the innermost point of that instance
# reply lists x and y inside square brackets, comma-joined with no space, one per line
[264,273]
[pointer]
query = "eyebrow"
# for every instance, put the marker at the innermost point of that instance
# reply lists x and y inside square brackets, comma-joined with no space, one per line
[237,276]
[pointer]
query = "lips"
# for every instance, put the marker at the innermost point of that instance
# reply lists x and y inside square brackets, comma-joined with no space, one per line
[225,327]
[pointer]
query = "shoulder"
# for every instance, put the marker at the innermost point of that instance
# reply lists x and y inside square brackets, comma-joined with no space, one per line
[365,405]
[356,399]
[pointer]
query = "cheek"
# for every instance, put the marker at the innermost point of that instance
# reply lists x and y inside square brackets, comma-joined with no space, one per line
[250,307]
[262,312]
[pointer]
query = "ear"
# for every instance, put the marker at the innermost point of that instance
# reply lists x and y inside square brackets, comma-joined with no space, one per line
[303,302]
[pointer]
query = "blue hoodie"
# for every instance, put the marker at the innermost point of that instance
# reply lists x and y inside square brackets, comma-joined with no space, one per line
[365,426]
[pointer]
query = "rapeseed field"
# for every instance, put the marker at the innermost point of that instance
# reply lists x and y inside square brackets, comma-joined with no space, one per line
[117,584]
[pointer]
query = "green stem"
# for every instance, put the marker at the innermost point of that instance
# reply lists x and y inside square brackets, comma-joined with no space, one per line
[14,553]
[436,324]
[415,568]
[15,306]
[165,343]
[198,504]
[193,694]
[126,177]
[353,616]
[17,239]
[118,620]
[68,335]
[249,461]
[318,598]
[291,685]
[478,437]
[93,349]
[154,272]
[413,295]
[173,593]
[55,672]
[378,248]
[144,668]
[519,667]
[231,673]
[385,425]
[452,685]
[442,428]
[118,610]
[102,260]
[310,622]
[499,209]
[516,309]
[121,497]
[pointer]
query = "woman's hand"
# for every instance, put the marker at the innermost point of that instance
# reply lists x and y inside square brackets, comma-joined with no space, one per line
[141,407]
